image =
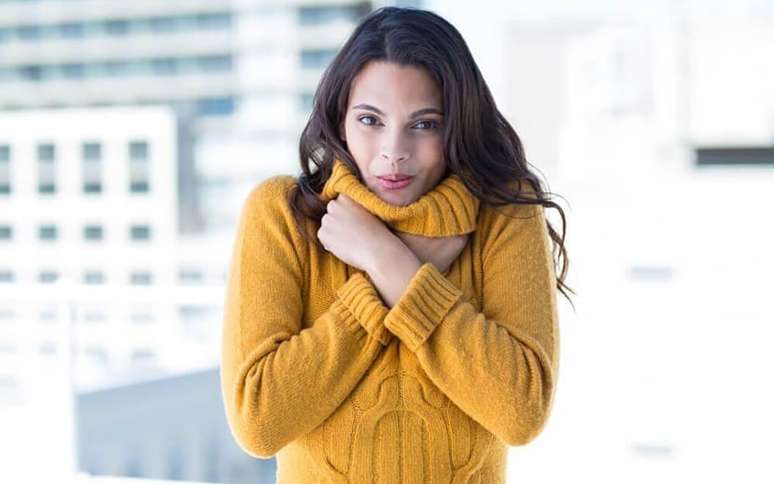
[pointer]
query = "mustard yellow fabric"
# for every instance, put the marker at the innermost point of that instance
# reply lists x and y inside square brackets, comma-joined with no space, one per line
[318,372]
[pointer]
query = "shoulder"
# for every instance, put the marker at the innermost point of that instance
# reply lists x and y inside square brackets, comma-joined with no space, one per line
[515,211]
[270,193]
[266,222]
[494,220]
[512,227]
[266,207]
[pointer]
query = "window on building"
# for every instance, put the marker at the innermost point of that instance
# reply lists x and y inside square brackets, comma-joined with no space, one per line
[143,355]
[7,314]
[214,20]
[117,27]
[29,32]
[92,232]
[31,72]
[73,71]
[190,276]
[5,169]
[139,176]
[48,232]
[317,15]
[93,277]
[48,349]
[6,232]
[214,63]
[94,315]
[48,314]
[116,68]
[71,30]
[219,106]
[140,316]
[46,277]
[96,355]
[46,159]
[141,278]
[306,100]
[164,66]
[91,155]
[735,156]
[650,273]
[140,232]
[316,58]
[163,24]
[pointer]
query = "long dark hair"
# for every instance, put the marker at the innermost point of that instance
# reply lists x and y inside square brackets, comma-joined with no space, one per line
[479,144]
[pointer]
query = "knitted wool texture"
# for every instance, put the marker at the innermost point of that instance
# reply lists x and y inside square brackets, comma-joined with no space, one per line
[318,372]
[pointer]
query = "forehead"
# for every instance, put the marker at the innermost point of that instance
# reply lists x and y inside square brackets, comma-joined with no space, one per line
[390,86]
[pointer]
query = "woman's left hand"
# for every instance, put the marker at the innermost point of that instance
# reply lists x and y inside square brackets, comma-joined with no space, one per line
[354,235]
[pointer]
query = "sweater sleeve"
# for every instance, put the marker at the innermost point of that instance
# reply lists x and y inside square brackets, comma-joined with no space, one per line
[280,381]
[499,366]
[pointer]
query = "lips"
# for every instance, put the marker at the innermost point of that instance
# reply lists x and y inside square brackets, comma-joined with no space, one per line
[389,184]
[395,177]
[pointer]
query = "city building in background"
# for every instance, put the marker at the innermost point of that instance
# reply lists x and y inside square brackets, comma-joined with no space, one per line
[243,71]
[89,200]
[142,430]
[655,125]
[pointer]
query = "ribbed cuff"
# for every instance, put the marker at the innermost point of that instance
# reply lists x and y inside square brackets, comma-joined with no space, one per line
[363,303]
[427,299]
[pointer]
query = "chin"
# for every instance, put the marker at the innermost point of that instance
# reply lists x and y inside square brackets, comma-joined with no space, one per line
[402,199]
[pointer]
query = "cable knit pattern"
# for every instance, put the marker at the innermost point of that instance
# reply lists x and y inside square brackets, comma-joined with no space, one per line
[318,372]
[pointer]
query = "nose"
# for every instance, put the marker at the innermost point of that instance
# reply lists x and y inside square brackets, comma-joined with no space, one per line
[393,150]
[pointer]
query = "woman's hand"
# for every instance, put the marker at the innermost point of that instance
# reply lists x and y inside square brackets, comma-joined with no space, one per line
[441,251]
[355,235]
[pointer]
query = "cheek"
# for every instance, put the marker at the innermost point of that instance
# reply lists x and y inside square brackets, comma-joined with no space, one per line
[430,149]
[360,141]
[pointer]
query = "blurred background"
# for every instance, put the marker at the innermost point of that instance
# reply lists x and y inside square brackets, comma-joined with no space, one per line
[131,133]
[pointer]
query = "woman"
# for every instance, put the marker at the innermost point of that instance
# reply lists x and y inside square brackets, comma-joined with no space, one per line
[385,330]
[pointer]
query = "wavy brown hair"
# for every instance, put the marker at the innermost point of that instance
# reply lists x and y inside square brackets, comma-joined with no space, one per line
[480,146]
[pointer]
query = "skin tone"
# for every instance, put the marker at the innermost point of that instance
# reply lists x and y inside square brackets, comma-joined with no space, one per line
[392,126]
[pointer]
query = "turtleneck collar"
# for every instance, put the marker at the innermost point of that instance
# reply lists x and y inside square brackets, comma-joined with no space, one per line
[448,209]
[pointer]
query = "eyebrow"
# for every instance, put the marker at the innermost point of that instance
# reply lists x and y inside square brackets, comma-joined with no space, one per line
[413,115]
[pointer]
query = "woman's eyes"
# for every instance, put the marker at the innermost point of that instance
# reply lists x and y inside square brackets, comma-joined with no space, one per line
[433,124]
[366,117]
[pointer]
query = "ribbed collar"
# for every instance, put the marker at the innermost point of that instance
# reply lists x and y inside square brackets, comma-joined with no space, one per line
[448,209]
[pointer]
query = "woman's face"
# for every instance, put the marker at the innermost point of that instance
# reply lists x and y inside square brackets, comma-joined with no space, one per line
[393,126]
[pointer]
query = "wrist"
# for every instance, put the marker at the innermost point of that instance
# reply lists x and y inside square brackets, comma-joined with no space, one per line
[392,273]
[393,256]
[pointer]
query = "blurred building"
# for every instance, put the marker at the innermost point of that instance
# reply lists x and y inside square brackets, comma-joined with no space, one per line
[136,429]
[94,284]
[243,72]
[89,198]
[657,129]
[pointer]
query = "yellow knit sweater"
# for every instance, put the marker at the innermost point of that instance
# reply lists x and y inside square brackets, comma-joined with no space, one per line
[342,389]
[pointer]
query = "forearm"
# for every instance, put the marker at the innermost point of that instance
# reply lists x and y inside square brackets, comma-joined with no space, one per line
[392,271]
[286,383]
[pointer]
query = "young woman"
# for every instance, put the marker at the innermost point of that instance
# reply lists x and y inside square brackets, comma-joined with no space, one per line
[391,316]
